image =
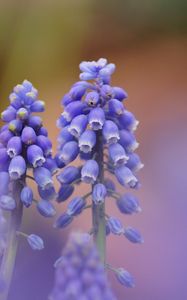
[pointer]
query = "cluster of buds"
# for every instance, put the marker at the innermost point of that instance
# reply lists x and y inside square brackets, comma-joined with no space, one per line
[97,129]
[25,154]
[79,272]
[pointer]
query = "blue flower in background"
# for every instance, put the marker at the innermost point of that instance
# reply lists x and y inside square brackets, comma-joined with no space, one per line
[79,272]
[25,153]
[97,132]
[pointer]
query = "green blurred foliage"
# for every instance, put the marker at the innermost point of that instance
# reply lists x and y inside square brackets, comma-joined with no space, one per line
[43,40]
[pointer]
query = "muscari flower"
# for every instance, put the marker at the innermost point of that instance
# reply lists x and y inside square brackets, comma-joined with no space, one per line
[26,196]
[25,148]
[79,272]
[99,193]
[35,242]
[96,128]
[128,204]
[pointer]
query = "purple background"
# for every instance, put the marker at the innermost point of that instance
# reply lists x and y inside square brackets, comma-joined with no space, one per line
[44,42]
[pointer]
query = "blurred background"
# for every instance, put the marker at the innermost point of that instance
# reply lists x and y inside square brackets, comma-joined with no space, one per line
[44,42]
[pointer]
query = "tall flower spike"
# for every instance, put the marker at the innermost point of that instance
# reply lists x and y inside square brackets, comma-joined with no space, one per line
[79,272]
[97,129]
[24,149]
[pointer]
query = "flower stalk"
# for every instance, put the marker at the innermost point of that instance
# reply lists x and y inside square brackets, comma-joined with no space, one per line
[98,211]
[9,256]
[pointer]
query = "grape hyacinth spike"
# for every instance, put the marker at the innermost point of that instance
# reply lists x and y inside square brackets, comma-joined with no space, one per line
[25,154]
[80,273]
[97,139]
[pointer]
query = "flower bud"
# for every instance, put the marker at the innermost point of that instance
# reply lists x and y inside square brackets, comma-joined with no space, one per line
[110,132]
[69,152]
[125,177]
[76,206]
[43,177]
[20,90]
[59,162]
[9,114]
[14,146]
[68,175]
[35,242]
[23,114]
[127,121]
[46,209]
[115,107]
[125,278]
[106,92]
[63,221]
[77,91]
[128,204]
[92,99]
[28,85]
[119,93]
[61,122]
[51,165]
[66,99]
[26,196]
[90,171]
[5,136]
[134,163]
[115,226]
[15,101]
[31,96]
[47,193]
[133,235]
[7,202]
[117,154]
[35,122]
[65,192]
[35,156]
[38,106]
[87,141]
[43,131]
[78,125]
[73,109]
[96,118]
[28,136]
[17,167]
[45,144]
[127,140]
[15,126]
[99,193]
[107,71]
[65,136]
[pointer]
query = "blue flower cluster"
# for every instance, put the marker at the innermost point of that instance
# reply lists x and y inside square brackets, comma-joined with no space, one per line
[79,272]
[25,151]
[98,129]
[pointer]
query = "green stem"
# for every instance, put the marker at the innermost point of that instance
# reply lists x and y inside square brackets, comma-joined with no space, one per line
[9,256]
[98,211]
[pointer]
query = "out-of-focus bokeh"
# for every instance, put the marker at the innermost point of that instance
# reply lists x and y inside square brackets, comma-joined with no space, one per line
[44,41]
